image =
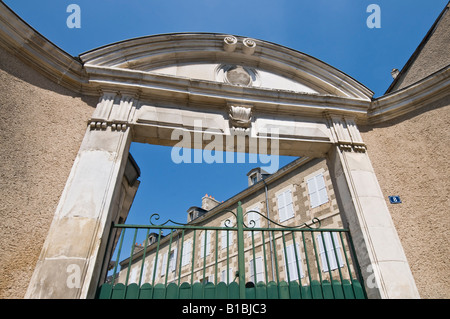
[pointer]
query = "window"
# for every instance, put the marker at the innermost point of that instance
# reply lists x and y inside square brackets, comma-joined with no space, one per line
[331,251]
[223,276]
[317,190]
[254,178]
[133,276]
[164,265]
[285,205]
[207,279]
[293,264]
[172,260]
[259,270]
[186,256]
[253,220]
[224,234]
[146,270]
[202,244]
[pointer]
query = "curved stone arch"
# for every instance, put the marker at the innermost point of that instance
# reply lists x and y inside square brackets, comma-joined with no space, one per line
[159,51]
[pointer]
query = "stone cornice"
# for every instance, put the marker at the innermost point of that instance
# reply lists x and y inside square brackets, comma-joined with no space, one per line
[411,98]
[172,89]
[17,37]
[165,50]
[104,70]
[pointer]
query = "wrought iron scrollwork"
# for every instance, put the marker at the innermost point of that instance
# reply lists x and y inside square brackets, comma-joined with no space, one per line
[315,221]
[156,218]
[227,222]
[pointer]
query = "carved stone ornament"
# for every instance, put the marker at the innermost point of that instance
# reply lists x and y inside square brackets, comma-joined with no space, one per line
[240,116]
[249,46]
[237,75]
[229,43]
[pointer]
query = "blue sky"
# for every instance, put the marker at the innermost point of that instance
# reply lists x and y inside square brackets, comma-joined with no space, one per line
[332,31]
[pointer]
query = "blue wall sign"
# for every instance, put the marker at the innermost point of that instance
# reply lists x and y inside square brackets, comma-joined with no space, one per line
[394,199]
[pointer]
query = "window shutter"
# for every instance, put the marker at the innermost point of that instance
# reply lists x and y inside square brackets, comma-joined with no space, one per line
[224,237]
[185,258]
[317,190]
[164,265]
[285,205]
[292,262]
[313,194]
[187,249]
[259,270]
[223,276]
[281,207]
[173,260]
[330,251]
[133,276]
[256,218]
[202,244]
[289,204]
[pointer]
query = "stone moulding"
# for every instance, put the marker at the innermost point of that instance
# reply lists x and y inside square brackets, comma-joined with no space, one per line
[108,68]
[93,125]
[240,116]
[399,103]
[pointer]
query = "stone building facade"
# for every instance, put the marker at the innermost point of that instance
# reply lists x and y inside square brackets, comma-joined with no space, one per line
[287,187]
[67,124]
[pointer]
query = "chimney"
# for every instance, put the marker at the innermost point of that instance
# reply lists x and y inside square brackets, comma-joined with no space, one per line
[209,202]
[394,73]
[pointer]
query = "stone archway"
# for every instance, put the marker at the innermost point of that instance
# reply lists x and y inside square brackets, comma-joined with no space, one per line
[233,87]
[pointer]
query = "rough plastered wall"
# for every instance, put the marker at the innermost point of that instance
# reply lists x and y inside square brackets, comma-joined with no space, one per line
[433,56]
[410,156]
[41,128]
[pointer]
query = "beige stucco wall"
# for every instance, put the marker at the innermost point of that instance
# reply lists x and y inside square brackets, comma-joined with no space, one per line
[41,128]
[410,156]
[432,57]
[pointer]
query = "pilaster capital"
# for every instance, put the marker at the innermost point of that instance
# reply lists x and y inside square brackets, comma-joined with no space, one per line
[345,132]
[115,109]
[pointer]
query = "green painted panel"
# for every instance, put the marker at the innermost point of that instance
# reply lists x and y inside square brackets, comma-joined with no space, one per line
[172,291]
[306,292]
[272,290]
[105,291]
[316,291]
[294,290]
[146,291]
[284,290]
[132,291]
[337,290]
[118,292]
[261,290]
[348,289]
[197,291]
[159,292]
[327,290]
[233,290]
[221,291]
[250,293]
[359,293]
[185,291]
[209,291]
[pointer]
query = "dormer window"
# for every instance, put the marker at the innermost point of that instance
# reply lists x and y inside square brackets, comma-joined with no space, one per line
[254,178]
[255,175]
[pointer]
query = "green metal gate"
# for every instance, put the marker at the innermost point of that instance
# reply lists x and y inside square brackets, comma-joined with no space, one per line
[273,262]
